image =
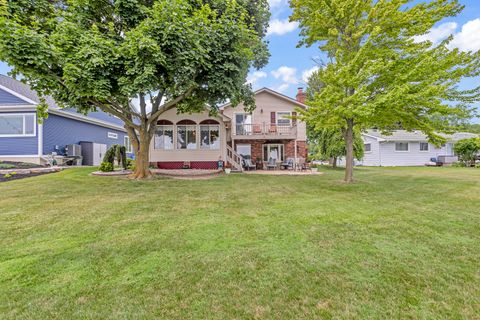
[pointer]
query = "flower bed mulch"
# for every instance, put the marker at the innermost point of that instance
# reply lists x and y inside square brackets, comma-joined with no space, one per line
[4,165]
[22,176]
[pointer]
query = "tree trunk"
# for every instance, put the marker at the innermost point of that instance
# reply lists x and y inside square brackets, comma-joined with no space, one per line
[349,155]
[334,162]
[142,155]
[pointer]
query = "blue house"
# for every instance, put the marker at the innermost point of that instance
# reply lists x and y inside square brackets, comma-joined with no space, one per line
[23,139]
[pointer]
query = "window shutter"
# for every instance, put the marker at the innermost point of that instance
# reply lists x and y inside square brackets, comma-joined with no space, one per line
[273,118]
[294,118]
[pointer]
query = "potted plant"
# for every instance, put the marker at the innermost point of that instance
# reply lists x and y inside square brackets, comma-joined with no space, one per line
[228,168]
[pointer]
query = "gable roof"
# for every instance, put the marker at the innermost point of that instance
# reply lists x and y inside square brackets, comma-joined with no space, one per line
[404,135]
[28,99]
[275,93]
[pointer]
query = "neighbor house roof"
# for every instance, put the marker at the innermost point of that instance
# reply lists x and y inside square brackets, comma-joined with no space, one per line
[31,98]
[275,93]
[404,135]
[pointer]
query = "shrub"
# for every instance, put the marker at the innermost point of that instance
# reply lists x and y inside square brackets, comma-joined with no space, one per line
[459,165]
[130,164]
[467,150]
[106,167]
[117,152]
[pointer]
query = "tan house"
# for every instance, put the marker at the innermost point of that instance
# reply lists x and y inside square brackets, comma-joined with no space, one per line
[269,134]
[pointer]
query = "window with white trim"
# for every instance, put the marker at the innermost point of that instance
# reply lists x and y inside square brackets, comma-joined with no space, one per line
[127,144]
[210,137]
[283,118]
[423,146]
[163,139]
[112,135]
[368,147]
[274,151]
[401,146]
[187,137]
[17,125]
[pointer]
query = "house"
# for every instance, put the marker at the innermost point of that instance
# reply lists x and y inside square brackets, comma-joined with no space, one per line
[23,139]
[406,148]
[200,140]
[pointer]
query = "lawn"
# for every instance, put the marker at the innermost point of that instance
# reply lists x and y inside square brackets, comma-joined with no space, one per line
[400,243]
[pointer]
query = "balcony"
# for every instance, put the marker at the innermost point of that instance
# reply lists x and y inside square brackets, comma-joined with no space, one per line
[264,131]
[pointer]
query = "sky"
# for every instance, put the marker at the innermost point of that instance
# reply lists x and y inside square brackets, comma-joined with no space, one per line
[289,66]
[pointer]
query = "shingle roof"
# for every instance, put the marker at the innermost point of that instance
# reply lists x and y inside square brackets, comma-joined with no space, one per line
[404,135]
[24,90]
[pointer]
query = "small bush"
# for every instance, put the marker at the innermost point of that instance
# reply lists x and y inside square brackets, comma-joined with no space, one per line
[130,164]
[106,167]
[6,165]
[459,165]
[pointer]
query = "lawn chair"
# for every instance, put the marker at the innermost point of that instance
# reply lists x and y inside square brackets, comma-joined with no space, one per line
[302,165]
[272,164]
[288,164]
[248,165]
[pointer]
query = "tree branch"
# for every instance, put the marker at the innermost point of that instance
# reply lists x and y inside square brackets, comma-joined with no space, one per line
[169,105]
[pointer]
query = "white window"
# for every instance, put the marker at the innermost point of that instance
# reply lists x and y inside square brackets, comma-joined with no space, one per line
[423,146]
[112,135]
[274,151]
[163,139]
[245,150]
[283,118]
[187,137]
[17,125]
[127,144]
[368,147]
[210,137]
[401,146]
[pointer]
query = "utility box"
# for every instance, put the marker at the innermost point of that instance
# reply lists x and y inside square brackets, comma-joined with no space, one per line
[74,150]
[93,153]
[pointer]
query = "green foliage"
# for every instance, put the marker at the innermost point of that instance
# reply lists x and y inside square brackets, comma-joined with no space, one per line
[117,152]
[471,127]
[130,164]
[330,143]
[106,167]
[378,74]
[468,150]
[6,165]
[90,54]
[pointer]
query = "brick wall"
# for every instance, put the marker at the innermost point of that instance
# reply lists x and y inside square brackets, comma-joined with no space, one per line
[289,146]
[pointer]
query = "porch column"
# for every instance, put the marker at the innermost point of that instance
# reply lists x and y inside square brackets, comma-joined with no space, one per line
[295,152]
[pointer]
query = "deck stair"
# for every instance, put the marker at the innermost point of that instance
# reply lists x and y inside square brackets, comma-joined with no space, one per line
[234,159]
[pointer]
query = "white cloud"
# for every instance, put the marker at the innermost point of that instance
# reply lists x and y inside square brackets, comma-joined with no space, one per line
[469,38]
[282,88]
[275,3]
[437,34]
[286,74]
[254,77]
[281,27]
[307,73]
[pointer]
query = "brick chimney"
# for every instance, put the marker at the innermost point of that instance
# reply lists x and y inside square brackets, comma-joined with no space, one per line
[301,95]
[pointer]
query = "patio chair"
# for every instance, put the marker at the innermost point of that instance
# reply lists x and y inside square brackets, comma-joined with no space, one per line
[272,164]
[288,164]
[257,129]
[248,165]
[302,165]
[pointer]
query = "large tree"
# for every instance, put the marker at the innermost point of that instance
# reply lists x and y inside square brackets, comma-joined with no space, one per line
[379,73]
[101,54]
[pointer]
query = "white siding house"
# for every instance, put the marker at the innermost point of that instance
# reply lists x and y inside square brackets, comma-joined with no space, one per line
[405,148]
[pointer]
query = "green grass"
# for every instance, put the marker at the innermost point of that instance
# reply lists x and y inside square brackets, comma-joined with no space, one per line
[400,243]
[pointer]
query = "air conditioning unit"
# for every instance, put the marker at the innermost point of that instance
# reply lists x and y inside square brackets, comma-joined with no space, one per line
[74,150]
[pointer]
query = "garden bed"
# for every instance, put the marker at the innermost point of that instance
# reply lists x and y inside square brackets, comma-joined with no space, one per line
[5,165]
[16,174]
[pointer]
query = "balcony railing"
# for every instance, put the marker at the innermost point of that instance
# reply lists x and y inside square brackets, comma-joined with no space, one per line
[264,129]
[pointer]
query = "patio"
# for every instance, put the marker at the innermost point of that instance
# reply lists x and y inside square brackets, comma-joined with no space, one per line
[284,172]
